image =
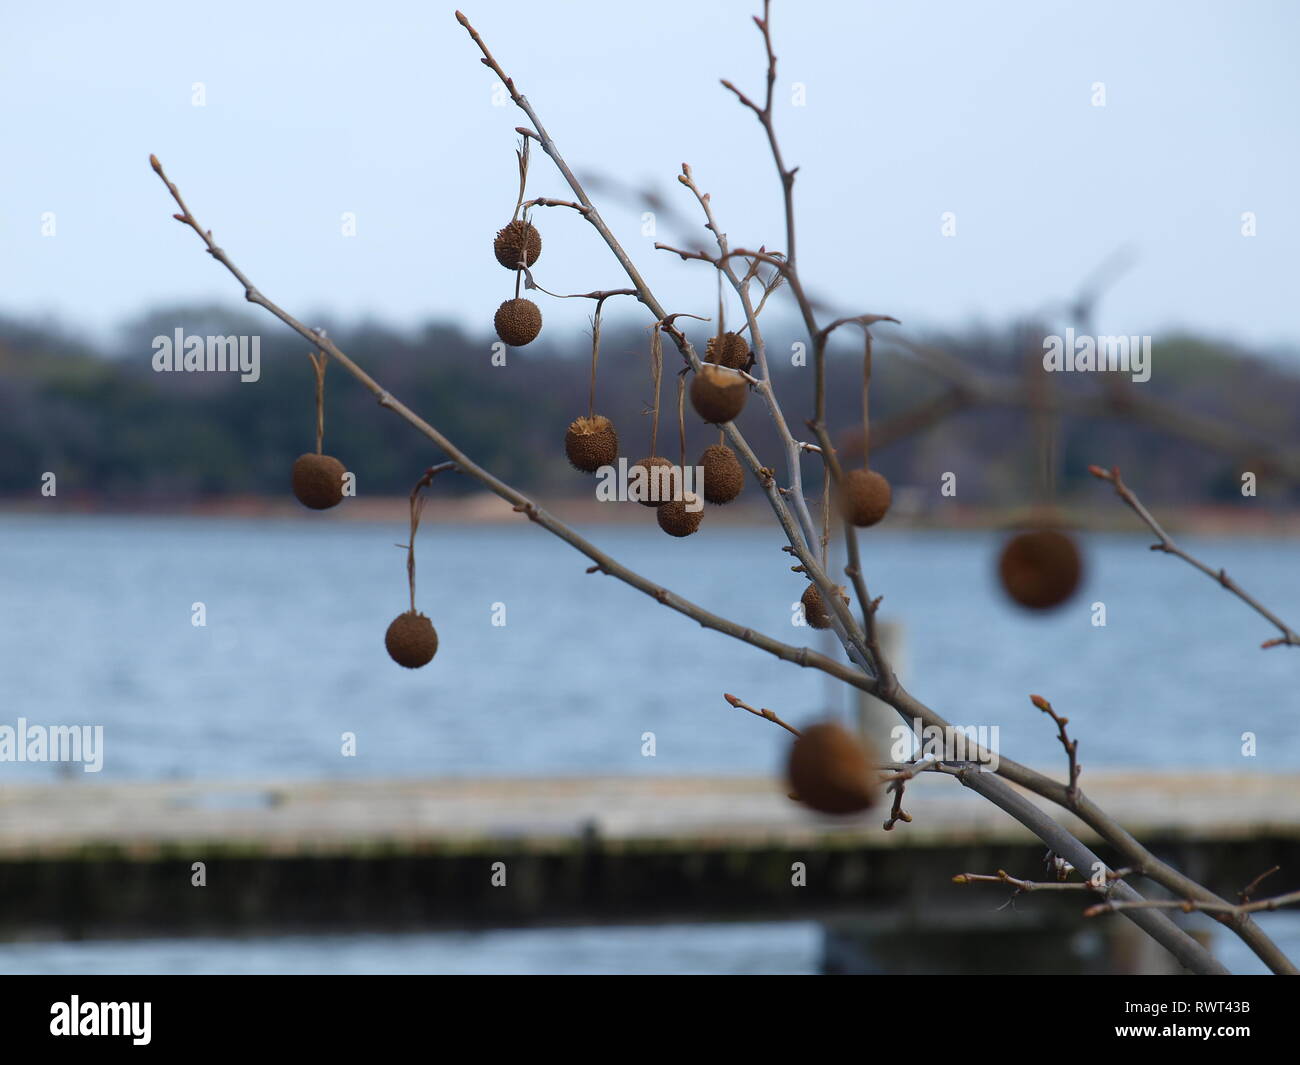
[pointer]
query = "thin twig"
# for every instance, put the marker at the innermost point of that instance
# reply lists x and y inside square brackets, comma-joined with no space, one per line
[1245,893]
[1071,746]
[769,715]
[1027,886]
[1219,909]
[1166,544]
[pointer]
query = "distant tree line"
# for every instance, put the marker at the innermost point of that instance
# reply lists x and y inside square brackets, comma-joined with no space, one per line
[115,430]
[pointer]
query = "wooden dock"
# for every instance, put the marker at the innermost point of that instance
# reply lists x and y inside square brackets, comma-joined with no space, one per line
[85,858]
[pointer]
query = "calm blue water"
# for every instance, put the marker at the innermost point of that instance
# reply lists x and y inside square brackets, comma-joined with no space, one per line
[793,948]
[96,628]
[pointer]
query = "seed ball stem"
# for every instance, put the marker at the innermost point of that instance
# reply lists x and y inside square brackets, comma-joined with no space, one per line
[318,480]
[718,395]
[1040,569]
[518,321]
[411,640]
[681,517]
[831,771]
[864,497]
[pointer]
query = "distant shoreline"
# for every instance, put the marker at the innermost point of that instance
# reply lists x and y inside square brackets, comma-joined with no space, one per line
[1262,519]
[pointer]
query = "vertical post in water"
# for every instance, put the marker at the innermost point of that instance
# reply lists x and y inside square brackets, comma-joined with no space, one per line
[873,719]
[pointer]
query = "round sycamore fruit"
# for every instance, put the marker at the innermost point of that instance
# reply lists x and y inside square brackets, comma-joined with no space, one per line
[1040,569]
[411,640]
[681,517]
[318,481]
[732,353]
[518,322]
[519,242]
[718,395]
[655,488]
[591,443]
[723,477]
[831,771]
[814,610]
[864,497]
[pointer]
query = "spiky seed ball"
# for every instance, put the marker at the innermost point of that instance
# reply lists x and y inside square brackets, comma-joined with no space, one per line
[734,354]
[831,771]
[814,610]
[518,322]
[318,481]
[864,497]
[677,518]
[658,485]
[718,395]
[591,443]
[1040,569]
[411,640]
[723,477]
[517,242]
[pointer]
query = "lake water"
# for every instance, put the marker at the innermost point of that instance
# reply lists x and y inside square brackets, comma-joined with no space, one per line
[97,628]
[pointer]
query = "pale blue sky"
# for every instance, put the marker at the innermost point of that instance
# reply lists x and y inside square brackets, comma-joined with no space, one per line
[912,109]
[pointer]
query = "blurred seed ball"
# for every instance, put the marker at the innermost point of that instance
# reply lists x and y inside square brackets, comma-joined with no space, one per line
[723,477]
[518,322]
[591,443]
[814,610]
[518,242]
[718,395]
[864,497]
[654,483]
[676,519]
[411,640]
[831,771]
[318,481]
[1040,569]
[734,353]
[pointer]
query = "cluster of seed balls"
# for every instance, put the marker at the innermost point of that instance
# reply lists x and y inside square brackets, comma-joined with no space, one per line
[518,321]
[717,394]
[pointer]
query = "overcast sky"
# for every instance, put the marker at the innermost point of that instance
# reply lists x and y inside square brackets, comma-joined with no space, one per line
[910,110]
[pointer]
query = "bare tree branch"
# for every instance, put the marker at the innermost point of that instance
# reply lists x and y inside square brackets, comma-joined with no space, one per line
[1167,545]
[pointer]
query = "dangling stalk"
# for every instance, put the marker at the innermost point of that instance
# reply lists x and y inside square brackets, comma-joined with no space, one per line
[1044,429]
[866,399]
[522,155]
[681,419]
[826,513]
[417,509]
[656,373]
[595,355]
[319,360]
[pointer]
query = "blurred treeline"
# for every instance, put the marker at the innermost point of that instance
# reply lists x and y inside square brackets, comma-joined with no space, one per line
[113,429]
